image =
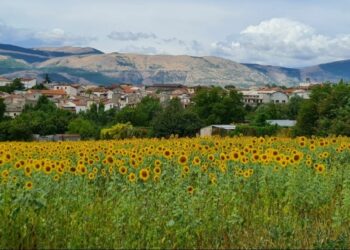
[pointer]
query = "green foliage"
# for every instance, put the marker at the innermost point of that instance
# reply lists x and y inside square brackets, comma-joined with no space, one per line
[218,106]
[118,131]
[98,115]
[175,120]
[45,118]
[15,130]
[85,128]
[2,109]
[47,79]
[40,86]
[327,111]
[15,85]
[142,114]
[250,130]
[272,111]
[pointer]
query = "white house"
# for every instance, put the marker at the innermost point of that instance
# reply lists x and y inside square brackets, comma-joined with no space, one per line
[75,106]
[4,81]
[273,96]
[303,93]
[255,97]
[110,105]
[28,82]
[251,97]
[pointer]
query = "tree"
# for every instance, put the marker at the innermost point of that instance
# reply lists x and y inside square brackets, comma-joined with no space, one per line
[174,119]
[294,105]
[218,106]
[307,119]
[118,131]
[142,114]
[39,86]
[47,79]
[341,125]
[146,110]
[15,85]
[15,130]
[44,104]
[2,109]
[85,128]
[269,111]
[45,118]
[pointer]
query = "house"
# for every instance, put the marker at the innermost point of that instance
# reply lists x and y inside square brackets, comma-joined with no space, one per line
[251,97]
[15,103]
[273,96]
[109,104]
[74,105]
[99,92]
[129,100]
[28,82]
[4,81]
[303,93]
[282,123]
[52,94]
[70,90]
[221,130]
[13,110]
[256,97]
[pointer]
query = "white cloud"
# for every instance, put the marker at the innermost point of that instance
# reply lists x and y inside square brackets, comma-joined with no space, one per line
[31,38]
[130,36]
[281,41]
[60,37]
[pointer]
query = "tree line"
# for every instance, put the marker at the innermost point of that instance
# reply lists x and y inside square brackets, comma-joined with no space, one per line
[327,112]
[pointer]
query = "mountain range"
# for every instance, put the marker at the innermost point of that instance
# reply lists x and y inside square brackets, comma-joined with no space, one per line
[89,65]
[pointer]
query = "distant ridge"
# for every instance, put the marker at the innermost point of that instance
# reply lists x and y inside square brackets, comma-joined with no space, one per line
[88,65]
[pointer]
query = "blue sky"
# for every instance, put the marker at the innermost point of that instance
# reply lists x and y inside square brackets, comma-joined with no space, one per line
[292,33]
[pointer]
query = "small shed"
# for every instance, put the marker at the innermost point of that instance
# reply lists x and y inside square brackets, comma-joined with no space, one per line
[66,137]
[282,123]
[221,130]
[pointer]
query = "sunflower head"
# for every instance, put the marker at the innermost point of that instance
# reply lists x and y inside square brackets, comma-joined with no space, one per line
[28,185]
[144,174]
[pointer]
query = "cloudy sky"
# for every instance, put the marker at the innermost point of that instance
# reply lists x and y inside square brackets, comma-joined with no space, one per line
[293,33]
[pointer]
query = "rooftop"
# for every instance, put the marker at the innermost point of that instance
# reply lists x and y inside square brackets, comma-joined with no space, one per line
[282,123]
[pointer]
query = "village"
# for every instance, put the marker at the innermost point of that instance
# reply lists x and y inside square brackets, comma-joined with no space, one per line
[79,98]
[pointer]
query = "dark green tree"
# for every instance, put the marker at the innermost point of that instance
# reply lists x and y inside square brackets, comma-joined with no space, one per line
[142,114]
[2,109]
[294,106]
[218,106]
[86,128]
[47,79]
[15,85]
[174,119]
[307,119]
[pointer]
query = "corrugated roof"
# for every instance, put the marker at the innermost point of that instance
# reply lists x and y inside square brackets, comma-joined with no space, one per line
[282,123]
[228,127]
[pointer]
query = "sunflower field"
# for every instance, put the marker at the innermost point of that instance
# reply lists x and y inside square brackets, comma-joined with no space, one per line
[240,192]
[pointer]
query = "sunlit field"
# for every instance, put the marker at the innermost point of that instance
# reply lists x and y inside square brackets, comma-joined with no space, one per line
[241,192]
